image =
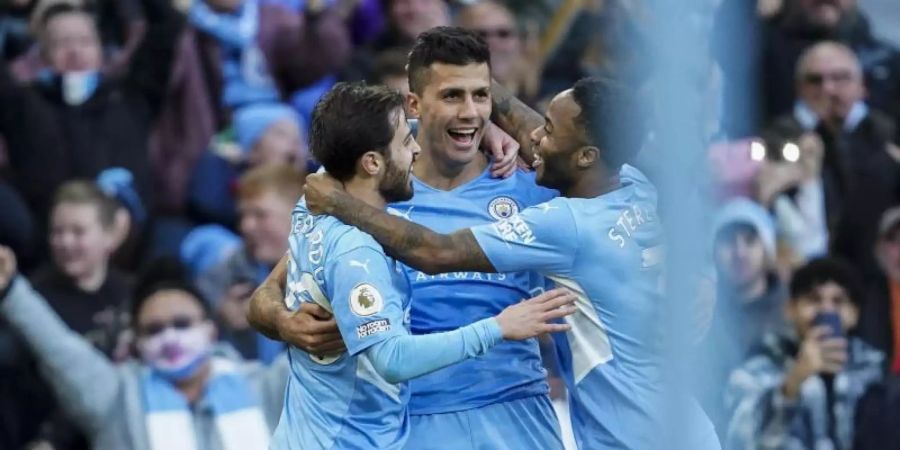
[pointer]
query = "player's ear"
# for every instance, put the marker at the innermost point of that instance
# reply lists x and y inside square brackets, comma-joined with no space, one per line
[371,163]
[586,156]
[412,105]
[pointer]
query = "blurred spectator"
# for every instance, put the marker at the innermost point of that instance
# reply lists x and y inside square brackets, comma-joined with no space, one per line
[263,52]
[877,416]
[801,389]
[831,105]
[88,294]
[266,197]
[496,24]
[750,296]
[74,122]
[880,315]
[390,70]
[408,18]
[267,133]
[237,52]
[405,20]
[15,38]
[17,228]
[772,51]
[79,284]
[183,392]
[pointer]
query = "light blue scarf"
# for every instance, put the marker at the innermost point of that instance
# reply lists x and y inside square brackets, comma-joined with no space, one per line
[239,420]
[245,70]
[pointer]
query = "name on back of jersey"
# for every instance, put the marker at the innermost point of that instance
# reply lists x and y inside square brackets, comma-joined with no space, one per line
[628,223]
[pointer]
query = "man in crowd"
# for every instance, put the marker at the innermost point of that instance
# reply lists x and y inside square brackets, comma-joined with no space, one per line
[749,301]
[879,322]
[496,24]
[857,176]
[266,196]
[801,389]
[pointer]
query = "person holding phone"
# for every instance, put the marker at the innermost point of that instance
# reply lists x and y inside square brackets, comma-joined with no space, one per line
[799,391]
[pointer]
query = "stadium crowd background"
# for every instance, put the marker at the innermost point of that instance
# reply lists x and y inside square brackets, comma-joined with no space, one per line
[157,130]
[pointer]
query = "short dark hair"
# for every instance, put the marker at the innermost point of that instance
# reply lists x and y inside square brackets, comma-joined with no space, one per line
[163,274]
[350,120]
[611,118]
[390,63]
[823,270]
[60,9]
[447,45]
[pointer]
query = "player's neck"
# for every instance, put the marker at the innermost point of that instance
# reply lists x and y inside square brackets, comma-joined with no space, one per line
[367,192]
[446,175]
[593,184]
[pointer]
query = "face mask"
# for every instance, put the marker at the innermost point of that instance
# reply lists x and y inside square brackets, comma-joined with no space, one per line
[177,354]
[76,87]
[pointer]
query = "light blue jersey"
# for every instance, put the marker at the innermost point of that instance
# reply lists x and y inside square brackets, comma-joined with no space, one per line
[342,402]
[511,370]
[607,250]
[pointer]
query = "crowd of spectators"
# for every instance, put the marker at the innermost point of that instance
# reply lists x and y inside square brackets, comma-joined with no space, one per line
[151,153]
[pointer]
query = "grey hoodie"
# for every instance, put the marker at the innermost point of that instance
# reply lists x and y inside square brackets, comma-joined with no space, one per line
[104,399]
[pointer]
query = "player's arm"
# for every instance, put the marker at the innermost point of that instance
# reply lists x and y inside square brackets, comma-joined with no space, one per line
[404,357]
[409,242]
[516,118]
[310,328]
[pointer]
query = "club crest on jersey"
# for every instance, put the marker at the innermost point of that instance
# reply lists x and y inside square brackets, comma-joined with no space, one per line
[503,208]
[365,300]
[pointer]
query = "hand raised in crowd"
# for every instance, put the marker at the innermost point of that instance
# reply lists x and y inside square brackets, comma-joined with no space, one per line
[818,354]
[7,267]
[536,316]
[320,190]
[312,329]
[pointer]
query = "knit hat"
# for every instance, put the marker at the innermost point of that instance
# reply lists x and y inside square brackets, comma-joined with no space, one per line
[744,211]
[206,246]
[252,121]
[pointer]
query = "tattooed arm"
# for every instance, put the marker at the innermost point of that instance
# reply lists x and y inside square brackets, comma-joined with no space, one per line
[515,118]
[411,243]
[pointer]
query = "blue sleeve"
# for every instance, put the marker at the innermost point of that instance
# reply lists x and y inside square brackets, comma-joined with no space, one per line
[366,305]
[401,358]
[542,238]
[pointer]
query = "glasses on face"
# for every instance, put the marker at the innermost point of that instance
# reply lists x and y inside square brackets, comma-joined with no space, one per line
[818,79]
[177,323]
[499,33]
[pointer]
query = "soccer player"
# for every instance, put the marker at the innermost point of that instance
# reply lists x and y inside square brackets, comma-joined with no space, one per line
[357,400]
[601,239]
[498,400]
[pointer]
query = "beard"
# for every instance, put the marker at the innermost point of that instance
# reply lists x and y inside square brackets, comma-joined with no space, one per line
[396,185]
[552,174]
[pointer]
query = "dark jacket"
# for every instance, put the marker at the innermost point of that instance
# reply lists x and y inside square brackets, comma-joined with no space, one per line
[859,178]
[50,142]
[759,61]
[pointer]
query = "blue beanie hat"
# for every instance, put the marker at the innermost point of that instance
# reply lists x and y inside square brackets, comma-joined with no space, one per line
[747,212]
[206,246]
[250,122]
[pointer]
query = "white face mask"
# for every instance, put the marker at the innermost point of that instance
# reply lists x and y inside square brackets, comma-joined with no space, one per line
[77,87]
[177,354]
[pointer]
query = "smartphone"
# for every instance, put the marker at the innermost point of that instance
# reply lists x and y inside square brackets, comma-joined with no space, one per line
[831,320]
